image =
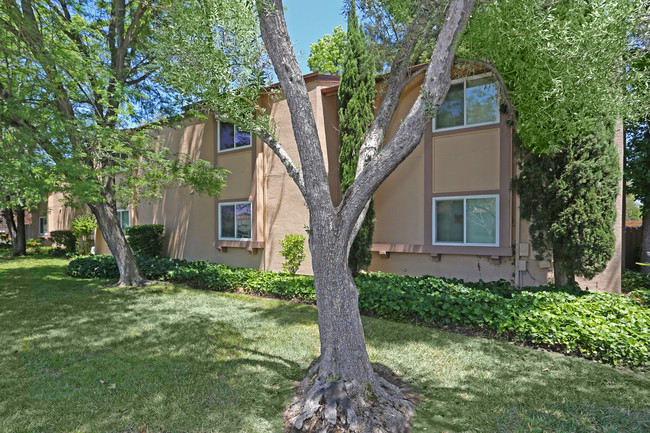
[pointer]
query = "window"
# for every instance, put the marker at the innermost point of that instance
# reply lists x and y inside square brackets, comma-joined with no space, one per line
[235,221]
[470,101]
[230,137]
[124,216]
[42,225]
[471,220]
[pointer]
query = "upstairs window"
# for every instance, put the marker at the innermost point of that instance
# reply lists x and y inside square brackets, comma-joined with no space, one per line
[471,101]
[42,225]
[231,138]
[235,221]
[124,216]
[470,220]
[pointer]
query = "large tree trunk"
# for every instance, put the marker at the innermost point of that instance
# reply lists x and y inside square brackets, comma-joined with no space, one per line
[341,392]
[16,231]
[645,241]
[560,275]
[106,214]
[342,389]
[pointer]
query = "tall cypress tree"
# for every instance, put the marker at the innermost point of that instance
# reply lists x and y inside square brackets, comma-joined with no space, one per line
[356,112]
[570,199]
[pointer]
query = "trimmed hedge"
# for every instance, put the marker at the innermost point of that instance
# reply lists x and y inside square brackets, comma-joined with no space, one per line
[65,239]
[612,328]
[147,239]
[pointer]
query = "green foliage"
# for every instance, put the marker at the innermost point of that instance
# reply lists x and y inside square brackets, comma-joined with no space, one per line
[632,210]
[570,199]
[326,55]
[637,162]
[608,327]
[565,64]
[146,240]
[82,227]
[356,97]
[293,251]
[64,238]
[632,280]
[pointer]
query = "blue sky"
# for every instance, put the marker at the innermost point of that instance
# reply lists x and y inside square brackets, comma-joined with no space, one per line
[309,20]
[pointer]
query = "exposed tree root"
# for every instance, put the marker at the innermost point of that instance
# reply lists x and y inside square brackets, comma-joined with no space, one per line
[335,406]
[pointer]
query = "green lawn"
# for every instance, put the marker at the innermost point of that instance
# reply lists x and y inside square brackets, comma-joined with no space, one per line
[79,357]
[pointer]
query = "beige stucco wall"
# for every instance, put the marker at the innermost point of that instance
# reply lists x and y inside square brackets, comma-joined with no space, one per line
[190,218]
[466,161]
[399,200]
[285,211]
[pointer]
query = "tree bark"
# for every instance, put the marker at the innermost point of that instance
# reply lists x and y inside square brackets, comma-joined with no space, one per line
[342,389]
[645,241]
[130,274]
[560,275]
[341,392]
[16,230]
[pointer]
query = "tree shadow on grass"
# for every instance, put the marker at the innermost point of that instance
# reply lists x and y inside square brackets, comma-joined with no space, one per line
[482,384]
[102,361]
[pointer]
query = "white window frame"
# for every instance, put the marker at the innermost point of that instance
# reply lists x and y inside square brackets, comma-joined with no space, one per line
[235,203]
[464,198]
[40,225]
[235,128]
[128,211]
[465,125]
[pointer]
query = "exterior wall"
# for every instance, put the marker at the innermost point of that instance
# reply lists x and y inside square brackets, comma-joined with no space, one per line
[285,211]
[468,161]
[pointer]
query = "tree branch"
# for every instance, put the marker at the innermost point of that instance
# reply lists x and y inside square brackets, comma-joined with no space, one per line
[434,89]
[276,147]
[280,50]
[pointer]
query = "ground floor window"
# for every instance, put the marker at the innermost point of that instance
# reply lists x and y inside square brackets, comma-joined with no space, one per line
[124,216]
[468,220]
[42,225]
[235,221]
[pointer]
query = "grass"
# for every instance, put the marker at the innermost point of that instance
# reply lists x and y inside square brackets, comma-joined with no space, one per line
[79,357]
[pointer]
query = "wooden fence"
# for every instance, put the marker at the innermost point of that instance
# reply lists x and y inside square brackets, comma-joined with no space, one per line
[632,247]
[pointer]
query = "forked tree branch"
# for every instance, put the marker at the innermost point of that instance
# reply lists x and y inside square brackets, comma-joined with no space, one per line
[408,136]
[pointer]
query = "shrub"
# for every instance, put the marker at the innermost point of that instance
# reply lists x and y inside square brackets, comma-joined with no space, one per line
[82,227]
[603,326]
[293,251]
[65,239]
[59,252]
[146,240]
[632,280]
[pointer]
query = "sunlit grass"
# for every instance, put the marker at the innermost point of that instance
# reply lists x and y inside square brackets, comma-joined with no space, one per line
[78,356]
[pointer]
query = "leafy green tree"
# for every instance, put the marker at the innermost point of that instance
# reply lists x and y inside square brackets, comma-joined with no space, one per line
[355,397]
[632,209]
[356,99]
[637,175]
[326,55]
[570,199]
[25,181]
[82,227]
[90,72]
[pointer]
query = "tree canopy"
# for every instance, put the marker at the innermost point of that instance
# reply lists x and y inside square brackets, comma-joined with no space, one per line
[326,55]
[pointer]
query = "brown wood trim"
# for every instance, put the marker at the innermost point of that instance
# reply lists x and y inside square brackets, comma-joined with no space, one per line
[235,151]
[253,149]
[505,197]
[464,193]
[241,244]
[467,130]
[443,249]
[428,185]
